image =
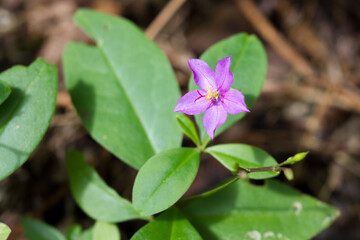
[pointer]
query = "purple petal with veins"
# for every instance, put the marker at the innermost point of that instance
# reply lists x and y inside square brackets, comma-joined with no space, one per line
[214,117]
[234,102]
[223,76]
[192,103]
[204,76]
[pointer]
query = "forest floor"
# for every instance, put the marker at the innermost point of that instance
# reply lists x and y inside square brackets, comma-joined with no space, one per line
[310,100]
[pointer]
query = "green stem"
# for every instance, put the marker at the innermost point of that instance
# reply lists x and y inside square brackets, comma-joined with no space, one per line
[203,145]
[260,169]
[208,193]
[275,168]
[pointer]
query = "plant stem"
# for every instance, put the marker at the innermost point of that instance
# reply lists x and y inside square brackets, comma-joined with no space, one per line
[260,169]
[276,168]
[204,144]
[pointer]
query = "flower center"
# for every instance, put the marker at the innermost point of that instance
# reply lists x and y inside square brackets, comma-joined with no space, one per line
[212,95]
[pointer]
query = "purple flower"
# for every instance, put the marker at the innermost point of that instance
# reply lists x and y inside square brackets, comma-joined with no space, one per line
[216,97]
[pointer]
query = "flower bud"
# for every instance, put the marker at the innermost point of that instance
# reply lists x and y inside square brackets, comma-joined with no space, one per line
[288,174]
[297,158]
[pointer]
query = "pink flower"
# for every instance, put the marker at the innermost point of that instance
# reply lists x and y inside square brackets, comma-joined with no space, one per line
[215,96]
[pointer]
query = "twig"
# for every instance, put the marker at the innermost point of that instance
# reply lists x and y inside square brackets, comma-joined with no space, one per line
[313,125]
[274,37]
[343,98]
[63,100]
[313,122]
[163,17]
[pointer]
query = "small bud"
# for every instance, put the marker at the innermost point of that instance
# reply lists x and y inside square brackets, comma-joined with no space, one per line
[235,169]
[300,156]
[288,174]
[243,175]
[297,158]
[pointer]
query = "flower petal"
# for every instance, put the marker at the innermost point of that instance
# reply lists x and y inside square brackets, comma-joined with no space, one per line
[214,117]
[233,102]
[223,76]
[192,103]
[204,76]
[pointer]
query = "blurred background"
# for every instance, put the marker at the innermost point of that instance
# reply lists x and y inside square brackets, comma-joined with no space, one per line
[310,100]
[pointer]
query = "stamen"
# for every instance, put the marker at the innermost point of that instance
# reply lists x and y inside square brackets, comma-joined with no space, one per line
[212,95]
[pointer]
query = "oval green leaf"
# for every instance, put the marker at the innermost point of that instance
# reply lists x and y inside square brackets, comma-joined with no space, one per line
[248,66]
[4,231]
[94,197]
[259,212]
[105,231]
[245,156]
[124,89]
[171,225]
[26,114]
[164,179]
[5,91]
[37,230]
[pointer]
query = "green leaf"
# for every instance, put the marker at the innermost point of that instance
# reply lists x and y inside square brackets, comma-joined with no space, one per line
[37,230]
[171,225]
[74,232]
[123,89]
[246,156]
[188,128]
[87,234]
[105,231]
[4,231]
[26,114]
[215,189]
[5,91]
[244,211]
[94,197]
[164,179]
[248,66]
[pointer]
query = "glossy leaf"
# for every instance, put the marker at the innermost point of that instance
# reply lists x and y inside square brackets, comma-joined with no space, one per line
[244,211]
[171,225]
[164,179]
[4,231]
[245,156]
[124,89]
[188,128]
[248,66]
[5,91]
[26,114]
[37,230]
[94,197]
[105,231]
